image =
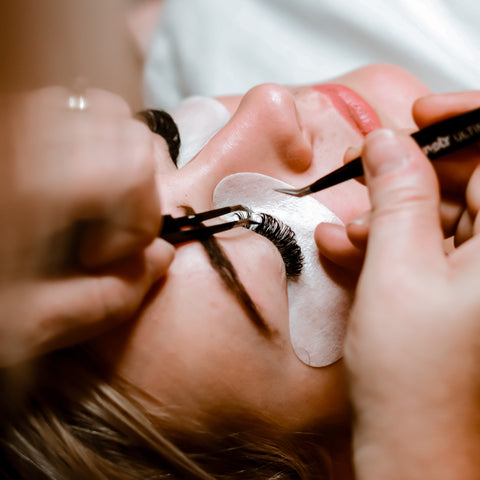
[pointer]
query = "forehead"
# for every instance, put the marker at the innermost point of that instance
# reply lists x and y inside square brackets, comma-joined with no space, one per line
[191,326]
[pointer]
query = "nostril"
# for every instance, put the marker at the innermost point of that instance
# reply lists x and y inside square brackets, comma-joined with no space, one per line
[297,152]
[294,144]
[280,120]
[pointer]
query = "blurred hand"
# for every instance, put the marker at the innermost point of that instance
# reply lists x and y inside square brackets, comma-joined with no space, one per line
[80,215]
[413,341]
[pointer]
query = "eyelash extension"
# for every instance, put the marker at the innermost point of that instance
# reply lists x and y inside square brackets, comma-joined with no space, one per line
[283,237]
[162,123]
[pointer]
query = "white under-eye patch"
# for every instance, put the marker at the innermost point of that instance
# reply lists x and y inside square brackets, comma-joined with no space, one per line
[198,119]
[318,307]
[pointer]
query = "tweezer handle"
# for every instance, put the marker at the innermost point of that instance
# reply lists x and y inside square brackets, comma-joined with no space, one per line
[435,141]
[450,135]
[198,233]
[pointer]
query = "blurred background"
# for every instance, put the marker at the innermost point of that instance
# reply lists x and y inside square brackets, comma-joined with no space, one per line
[56,41]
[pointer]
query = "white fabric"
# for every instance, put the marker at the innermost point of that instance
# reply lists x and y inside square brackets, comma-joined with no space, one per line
[215,47]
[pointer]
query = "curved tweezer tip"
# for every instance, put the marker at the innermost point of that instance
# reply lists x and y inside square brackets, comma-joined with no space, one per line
[345,172]
[295,192]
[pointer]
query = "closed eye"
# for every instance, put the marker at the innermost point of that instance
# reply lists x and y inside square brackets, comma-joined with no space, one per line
[283,237]
[162,123]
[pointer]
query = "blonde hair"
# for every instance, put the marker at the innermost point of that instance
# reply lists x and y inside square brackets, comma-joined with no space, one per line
[69,420]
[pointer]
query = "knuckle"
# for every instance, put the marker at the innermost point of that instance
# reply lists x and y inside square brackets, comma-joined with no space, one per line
[406,202]
[407,195]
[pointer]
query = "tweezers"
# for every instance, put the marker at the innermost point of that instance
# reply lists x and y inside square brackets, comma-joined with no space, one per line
[435,140]
[190,227]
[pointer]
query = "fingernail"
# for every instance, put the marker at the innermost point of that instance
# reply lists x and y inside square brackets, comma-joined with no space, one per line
[362,219]
[384,153]
[352,152]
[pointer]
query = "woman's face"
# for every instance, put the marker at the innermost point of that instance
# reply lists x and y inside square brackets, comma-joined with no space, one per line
[193,345]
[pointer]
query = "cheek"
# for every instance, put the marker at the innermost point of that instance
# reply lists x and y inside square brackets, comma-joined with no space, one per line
[262,272]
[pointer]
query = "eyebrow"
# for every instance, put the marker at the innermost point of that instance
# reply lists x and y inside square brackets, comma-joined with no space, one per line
[230,279]
[229,276]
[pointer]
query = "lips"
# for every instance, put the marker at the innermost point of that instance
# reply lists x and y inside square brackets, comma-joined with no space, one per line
[353,108]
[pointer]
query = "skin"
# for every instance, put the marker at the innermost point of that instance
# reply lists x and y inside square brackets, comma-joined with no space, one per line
[192,345]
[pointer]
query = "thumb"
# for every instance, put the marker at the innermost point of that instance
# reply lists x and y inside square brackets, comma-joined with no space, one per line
[404,194]
[61,312]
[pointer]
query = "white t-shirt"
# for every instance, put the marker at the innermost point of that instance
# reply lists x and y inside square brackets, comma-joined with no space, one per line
[217,47]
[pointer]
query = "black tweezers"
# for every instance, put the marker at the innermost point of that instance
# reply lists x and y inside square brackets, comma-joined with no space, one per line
[190,227]
[436,140]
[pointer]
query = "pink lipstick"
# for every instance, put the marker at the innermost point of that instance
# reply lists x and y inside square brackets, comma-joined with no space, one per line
[351,106]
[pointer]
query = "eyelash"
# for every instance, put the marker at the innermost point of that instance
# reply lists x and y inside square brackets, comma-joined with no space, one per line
[161,123]
[283,237]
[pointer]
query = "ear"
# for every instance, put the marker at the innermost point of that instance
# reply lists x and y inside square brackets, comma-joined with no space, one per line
[333,242]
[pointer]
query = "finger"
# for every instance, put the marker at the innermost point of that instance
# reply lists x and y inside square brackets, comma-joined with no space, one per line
[476,225]
[469,224]
[357,230]
[465,260]
[473,200]
[93,167]
[464,228]
[450,212]
[106,103]
[58,99]
[453,170]
[473,193]
[63,312]
[117,196]
[100,172]
[333,243]
[435,108]
[404,225]
[124,230]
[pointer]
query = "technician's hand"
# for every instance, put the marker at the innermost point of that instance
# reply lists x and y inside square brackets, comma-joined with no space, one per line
[413,341]
[80,214]
[346,245]
[454,171]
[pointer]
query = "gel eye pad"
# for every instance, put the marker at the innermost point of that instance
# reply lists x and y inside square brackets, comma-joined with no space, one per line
[198,119]
[318,307]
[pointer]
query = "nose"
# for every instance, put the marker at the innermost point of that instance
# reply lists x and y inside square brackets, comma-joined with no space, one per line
[265,135]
